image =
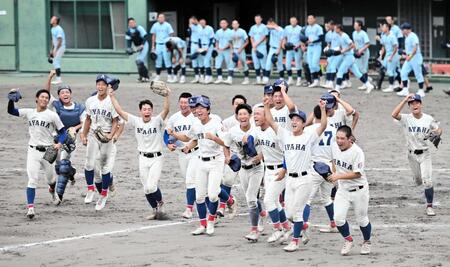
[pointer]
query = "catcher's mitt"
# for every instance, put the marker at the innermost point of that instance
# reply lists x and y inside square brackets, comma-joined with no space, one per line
[322,169]
[101,135]
[434,138]
[69,143]
[14,95]
[50,154]
[159,88]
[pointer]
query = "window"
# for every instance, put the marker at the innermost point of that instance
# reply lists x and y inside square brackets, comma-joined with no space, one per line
[95,24]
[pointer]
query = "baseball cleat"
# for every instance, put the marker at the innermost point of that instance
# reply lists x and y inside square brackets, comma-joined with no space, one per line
[348,245]
[196,79]
[447,91]
[182,79]
[362,87]
[232,209]
[151,215]
[261,223]
[228,81]
[30,213]
[252,236]
[365,248]
[219,80]
[403,92]
[57,200]
[428,89]
[299,82]
[347,84]
[290,81]
[187,214]
[430,211]
[275,236]
[305,236]
[199,231]
[246,81]
[101,202]
[293,246]
[314,84]
[329,229]
[369,87]
[421,92]
[221,212]
[89,196]
[210,228]
[286,236]
[388,89]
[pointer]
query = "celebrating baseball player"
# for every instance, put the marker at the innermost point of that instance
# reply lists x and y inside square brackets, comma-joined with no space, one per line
[418,128]
[353,188]
[297,146]
[148,131]
[389,52]
[42,123]
[99,128]
[239,41]
[283,104]
[137,35]
[258,38]
[160,31]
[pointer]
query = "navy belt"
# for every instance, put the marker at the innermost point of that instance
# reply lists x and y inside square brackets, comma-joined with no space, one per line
[357,188]
[296,174]
[274,167]
[151,155]
[192,150]
[40,148]
[248,167]
[207,158]
[159,43]
[417,151]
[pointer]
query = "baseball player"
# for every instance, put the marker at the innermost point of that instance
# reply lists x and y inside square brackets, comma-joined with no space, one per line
[297,145]
[348,61]
[160,31]
[389,52]
[72,115]
[272,153]
[239,41]
[42,123]
[314,33]
[362,51]
[283,105]
[181,122]
[137,35]
[333,61]
[195,42]
[413,61]
[206,48]
[100,115]
[417,126]
[258,37]
[397,32]
[275,55]
[353,188]
[205,132]
[252,171]
[223,45]
[148,131]
[291,44]
[58,47]
[177,47]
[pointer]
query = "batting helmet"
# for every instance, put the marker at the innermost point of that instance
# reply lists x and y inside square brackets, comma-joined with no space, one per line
[193,101]
[303,38]
[299,114]
[268,89]
[203,101]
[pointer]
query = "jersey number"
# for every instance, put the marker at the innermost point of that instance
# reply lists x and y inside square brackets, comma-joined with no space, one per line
[328,135]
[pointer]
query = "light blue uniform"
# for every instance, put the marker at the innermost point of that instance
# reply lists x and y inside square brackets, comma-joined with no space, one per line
[162,31]
[390,43]
[258,32]
[415,64]
[195,41]
[178,44]
[396,31]
[361,39]
[313,32]
[333,62]
[137,36]
[276,36]
[207,38]
[58,32]
[238,38]
[348,59]
[223,39]
[292,35]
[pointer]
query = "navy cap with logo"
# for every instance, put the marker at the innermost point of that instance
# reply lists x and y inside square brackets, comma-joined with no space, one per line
[268,89]
[299,114]
[203,101]
[192,101]
[64,86]
[406,26]
[415,97]
[102,77]
[329,99]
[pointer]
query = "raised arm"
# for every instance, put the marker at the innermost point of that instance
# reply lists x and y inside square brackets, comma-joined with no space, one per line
[166,107]
[399,107]
[48,83]
[348,108]
[323,118]
[117,106]
[287,100]
[268,115]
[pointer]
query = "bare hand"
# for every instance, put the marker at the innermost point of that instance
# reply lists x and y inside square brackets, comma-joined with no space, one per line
[332,178]
[257,159]
[171,147]
[185,150]
[52,73]
[266,101]
[83,139]
[169,131]
[57,146]
[322,104]
[227,160]
[280,175]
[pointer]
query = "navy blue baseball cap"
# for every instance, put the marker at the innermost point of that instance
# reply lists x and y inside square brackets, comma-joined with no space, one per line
[193,101]
[406,26]
[268,89]
[415,97]
[299,114]
[203,101]
[64,86]
[277,85]
[330,99]
[102,77]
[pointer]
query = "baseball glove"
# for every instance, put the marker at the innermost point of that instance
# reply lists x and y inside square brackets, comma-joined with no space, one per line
[50,154]
[159,88]
[434,138]
[101,135]
[69,143]
[322,169]
[14,95]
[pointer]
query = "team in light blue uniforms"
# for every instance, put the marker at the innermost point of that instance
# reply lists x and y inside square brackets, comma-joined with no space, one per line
[160,31]
[258,37]
[314,33]
[239,41]
[391,58]
[177,49]
[194,39]
[223,48]
[292,47]
[396,31]
[275,55]
[206,48]
[362,52]
[348,61]
[137,35]
[333,61]
[413,61]
[58,47]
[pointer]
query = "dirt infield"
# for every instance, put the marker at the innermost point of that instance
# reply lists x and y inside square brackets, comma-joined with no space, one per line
[74,234]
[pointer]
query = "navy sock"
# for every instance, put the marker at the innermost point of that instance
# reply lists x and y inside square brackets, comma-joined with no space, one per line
[258,72]
[158,195]
[212,207]
[223,195]
[260,207]
[158,71]
[196,71]
[297,229]
[274,215]
[201,209]
[391,80]
[344,230]
[289,73]
[339,81]
[202,70]
[281,74]
[230,73]
[98,186]
[246,73]
[208,71]
[429,193]
[306,212]
[226,188]
[282,215]
[151,200]
[219,72]
[421,85]
[366,231]
[183,71]
[405,83]
[346,76]
[106,181]
[169,70]
[89,177]
[31,194]
[333,192]
[58,72]
[190,196]
[330,211]
[299,73]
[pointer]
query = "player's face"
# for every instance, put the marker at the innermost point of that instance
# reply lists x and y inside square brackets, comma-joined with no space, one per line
[311,20]
[53,20]
[203,22]
[243,117]
[270,96]
[259,116]
[293,21]
[330,112]
[183,103]
[237,102]
[258,19]
[342,140]
[337,29]
[194,111]
[102,88]
[161,18]
[389,20]
[235,24]
[384,28]
[356,26]
[132,24]
[415,107]
[42,100]
[278,100]
[146,112]
[297,124]
[223,24]
[202,113]
[65,96]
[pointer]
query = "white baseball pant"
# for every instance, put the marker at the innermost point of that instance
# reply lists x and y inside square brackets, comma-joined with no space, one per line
[35,162]
[150,172]
[297,194]
[422,168]
[360,201]
[273,189]
[207,180]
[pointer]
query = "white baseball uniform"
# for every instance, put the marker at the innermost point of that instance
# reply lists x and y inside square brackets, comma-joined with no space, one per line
[281,116]
[419,155]
[41,127]
[229,176]
[297,153]
[340,118]
[351,191]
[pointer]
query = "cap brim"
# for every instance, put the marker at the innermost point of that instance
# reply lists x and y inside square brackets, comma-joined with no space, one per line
[297,115]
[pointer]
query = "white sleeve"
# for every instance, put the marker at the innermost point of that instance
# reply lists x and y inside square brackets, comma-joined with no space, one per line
[57,121]
[132,120]
[24,112]
[282,134]
[358,163]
